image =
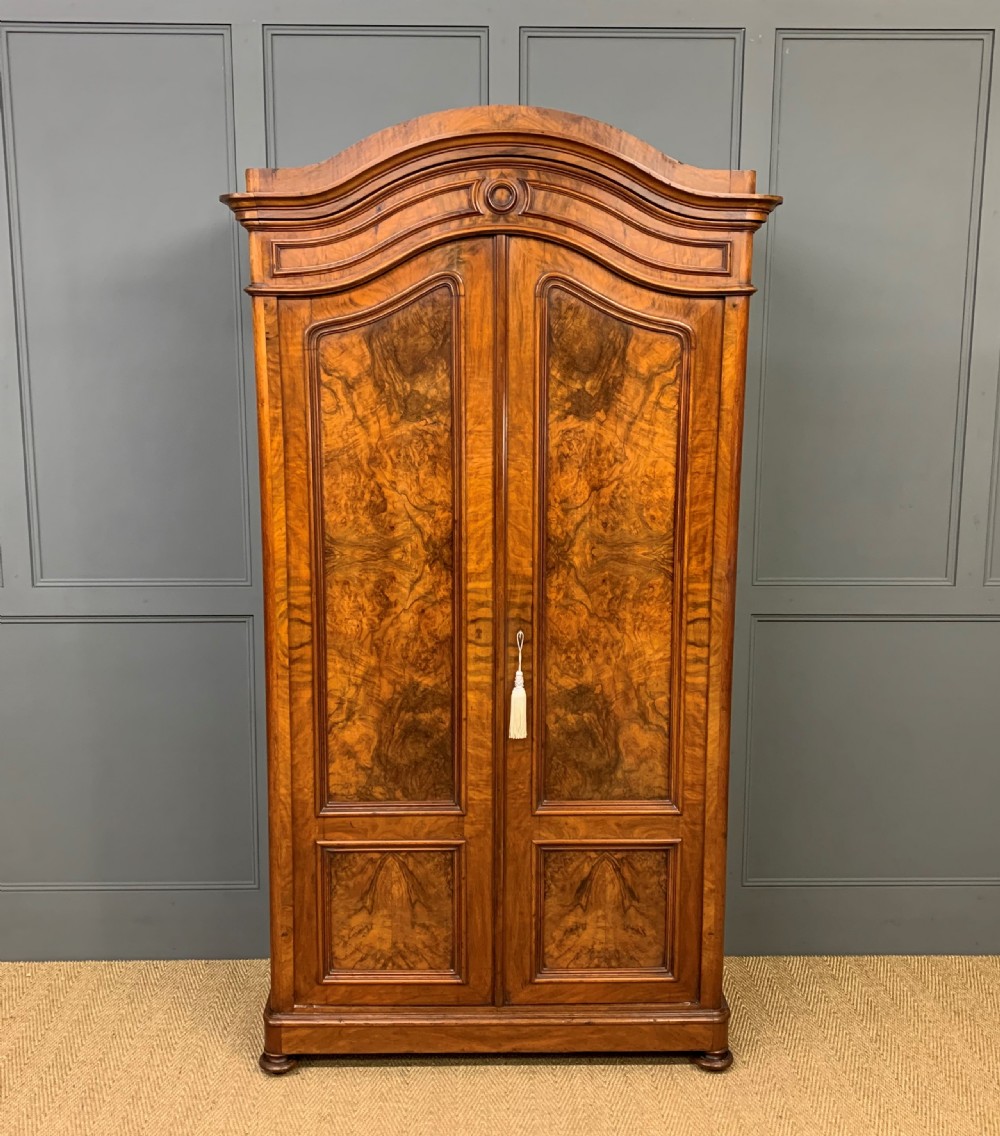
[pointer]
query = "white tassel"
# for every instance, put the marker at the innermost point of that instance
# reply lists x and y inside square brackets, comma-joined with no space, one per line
[519,698]
[518,708]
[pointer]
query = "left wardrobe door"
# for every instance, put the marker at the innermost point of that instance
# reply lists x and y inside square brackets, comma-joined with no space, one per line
[388,428]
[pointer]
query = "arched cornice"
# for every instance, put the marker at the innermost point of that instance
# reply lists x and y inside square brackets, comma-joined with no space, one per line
[494,169]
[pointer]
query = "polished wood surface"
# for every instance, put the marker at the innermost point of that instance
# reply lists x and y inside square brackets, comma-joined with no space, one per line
[389,479]
[386,448]
[717,1061]
[500,1029]
[390,912]
[611,408]
[641,530]
[500,363]
[603,909]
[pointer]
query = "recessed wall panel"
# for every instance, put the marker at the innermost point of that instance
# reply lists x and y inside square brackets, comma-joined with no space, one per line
[877,147]
[679,89]
[872,751]
[130,746]
[330,86]
[119,141]
[993,531]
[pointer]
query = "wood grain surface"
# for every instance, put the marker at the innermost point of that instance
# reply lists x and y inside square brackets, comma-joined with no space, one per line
[616,434]
[603,909]
[390,464]
[612,421]
[390,910]
[500,358]
[387,439]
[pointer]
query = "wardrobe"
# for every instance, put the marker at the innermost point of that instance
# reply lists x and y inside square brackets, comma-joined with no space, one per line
[500,356]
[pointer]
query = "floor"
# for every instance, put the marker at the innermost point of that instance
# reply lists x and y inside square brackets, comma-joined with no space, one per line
[847,1046]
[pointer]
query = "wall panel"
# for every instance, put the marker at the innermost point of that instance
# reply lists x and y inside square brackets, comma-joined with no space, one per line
[865,737]
[993,525]
[130,722]
[131,746]
[877,144]
[329,86]
[128,353]
[639,79]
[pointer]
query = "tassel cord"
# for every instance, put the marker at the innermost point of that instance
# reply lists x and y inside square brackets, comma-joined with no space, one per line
[519,698]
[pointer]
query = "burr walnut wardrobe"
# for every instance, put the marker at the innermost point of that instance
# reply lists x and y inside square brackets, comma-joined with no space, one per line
[500,357]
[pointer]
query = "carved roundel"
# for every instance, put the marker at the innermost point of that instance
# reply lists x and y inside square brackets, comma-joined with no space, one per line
[502,195]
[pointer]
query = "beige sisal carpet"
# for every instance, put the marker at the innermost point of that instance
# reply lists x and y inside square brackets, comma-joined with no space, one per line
[851,1046]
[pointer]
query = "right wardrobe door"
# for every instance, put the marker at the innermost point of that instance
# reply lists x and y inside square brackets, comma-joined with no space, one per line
[612,398]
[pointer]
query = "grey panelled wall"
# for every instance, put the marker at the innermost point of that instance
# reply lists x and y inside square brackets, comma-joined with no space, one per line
[885,326]
[700,70]
[114,353]
[866,740]
[309,66]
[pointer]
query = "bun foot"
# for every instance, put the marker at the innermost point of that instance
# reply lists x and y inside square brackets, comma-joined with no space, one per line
[717,1062]
[277,1063]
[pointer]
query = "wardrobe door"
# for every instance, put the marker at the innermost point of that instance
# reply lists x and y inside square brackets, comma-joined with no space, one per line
[389,430]
[612,405]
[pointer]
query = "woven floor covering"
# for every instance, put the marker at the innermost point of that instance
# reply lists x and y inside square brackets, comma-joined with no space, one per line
[823,1045]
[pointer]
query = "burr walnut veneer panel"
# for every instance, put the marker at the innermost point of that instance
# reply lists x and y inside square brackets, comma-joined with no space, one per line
[384,395]
[603,909]
[389,911]
[612,403]
[500,362]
